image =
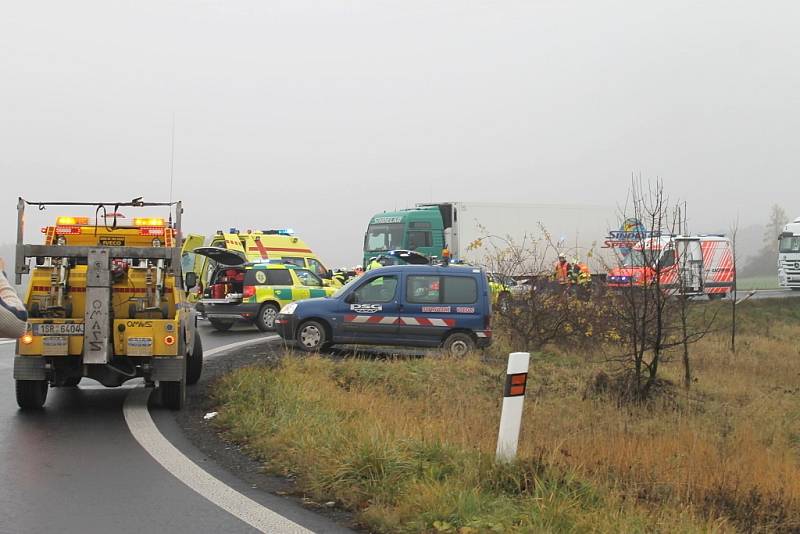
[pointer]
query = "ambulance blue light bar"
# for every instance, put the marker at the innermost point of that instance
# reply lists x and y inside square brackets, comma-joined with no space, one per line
[281,231]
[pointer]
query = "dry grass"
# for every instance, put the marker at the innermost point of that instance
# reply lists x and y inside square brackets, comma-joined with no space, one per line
[409,444]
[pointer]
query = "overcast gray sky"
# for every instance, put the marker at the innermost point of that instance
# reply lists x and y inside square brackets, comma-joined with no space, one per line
[315,115]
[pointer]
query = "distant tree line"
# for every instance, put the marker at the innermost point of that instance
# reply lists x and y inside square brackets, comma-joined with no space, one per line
[764,262]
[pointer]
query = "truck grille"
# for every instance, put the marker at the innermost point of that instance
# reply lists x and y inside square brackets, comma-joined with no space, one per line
[791,267]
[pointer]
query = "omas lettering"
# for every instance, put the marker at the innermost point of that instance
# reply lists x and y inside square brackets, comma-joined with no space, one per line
[96,339]
[139,324]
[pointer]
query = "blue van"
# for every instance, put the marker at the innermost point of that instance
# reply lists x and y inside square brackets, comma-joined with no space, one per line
[410,305]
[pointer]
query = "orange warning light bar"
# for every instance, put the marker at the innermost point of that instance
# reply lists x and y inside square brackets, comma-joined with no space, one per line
[72,221]
[148,221]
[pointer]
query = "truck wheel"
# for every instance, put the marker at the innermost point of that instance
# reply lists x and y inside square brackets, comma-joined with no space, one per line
[311,336]
[222,326]
[458,344]
[72,382]
[194,362]
[265,321]
[31,394]
[173,394]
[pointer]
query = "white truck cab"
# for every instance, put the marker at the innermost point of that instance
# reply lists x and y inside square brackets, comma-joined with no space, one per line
[789,256]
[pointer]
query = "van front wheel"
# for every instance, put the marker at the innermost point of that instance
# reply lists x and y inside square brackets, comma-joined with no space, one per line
[458,344]
[311,336]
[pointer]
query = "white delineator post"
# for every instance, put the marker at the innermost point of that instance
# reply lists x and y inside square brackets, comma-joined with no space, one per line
[513,397]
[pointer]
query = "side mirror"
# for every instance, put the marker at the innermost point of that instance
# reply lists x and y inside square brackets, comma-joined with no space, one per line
[191,280]
[351,298]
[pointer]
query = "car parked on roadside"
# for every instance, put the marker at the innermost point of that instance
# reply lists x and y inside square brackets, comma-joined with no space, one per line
[239,290]
[406,305]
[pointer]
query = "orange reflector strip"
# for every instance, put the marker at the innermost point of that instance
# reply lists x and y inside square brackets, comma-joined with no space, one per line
[151,230]
[517,380]
[515,385]
[67,230]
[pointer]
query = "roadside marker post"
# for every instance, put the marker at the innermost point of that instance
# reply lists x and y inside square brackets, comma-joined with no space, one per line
[513,397]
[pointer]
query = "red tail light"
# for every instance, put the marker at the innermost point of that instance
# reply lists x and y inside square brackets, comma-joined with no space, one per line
[249,291]
[487,322]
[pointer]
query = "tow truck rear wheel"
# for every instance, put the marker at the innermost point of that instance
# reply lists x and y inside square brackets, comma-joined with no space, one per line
[72,382]
[222,326]
[194,362]
[265,321]
[173,394]
[31,394]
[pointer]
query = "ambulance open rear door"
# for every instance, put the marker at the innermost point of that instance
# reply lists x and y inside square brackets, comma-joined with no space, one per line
[690,265]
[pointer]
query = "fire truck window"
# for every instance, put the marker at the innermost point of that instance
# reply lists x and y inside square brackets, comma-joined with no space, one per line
[418,239]
[667,259]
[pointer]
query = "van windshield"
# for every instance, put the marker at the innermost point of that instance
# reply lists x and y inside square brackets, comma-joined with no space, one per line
[789,244]
[639,258]
[383,237]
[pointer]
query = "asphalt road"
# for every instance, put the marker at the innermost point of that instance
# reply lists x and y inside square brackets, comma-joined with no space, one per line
[75,467]
[768,293]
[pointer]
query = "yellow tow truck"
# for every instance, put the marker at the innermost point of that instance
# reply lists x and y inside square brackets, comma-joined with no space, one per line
[106,300]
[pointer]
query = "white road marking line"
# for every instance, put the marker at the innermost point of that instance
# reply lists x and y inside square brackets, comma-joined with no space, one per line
[7,341]
[144,430]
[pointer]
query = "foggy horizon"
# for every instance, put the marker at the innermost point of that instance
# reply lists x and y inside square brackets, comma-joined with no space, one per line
[318,116]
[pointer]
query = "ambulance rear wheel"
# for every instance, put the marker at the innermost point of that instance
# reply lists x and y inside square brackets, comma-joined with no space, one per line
[265,321]
[222,326]
[194,362]
[31,394]
[311,336]
[173,394]
[458,344]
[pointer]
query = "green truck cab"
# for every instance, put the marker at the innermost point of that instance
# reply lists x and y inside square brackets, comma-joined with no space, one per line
[420,229]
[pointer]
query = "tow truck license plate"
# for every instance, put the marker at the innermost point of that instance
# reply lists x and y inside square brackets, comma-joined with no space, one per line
[55,346]
[58,329]
[140,346]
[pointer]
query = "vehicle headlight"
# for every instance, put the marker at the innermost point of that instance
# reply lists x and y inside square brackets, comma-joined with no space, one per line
[289,308]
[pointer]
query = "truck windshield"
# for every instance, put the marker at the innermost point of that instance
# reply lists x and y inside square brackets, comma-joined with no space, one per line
[789,244]
[383,237]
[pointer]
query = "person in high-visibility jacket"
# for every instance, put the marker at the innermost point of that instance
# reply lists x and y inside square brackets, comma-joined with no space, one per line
[373,264]
[562,269]
[580,273]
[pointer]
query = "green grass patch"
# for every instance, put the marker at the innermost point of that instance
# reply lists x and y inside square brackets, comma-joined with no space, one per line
[746,283]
